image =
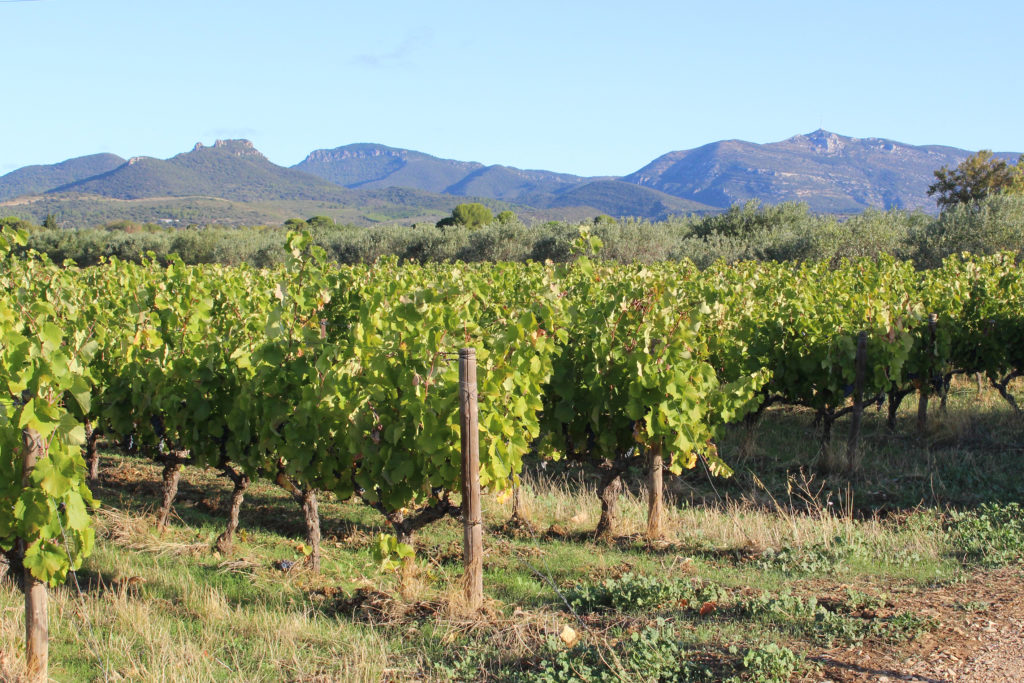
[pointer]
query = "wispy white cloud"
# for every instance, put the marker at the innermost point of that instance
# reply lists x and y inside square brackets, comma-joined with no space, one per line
[400,56]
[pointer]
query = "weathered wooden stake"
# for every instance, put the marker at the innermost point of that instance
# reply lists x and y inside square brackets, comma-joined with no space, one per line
[36,615]
[860,367]
[655,495]
[311,512]
[926,381]
[472,519]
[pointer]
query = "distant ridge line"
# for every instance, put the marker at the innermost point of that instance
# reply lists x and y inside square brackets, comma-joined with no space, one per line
[829,172]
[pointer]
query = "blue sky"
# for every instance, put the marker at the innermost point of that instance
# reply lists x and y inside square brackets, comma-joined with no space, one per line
[593,88]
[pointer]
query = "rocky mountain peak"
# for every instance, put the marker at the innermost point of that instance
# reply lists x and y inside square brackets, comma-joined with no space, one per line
[238,148]
[825,142]
[357,151]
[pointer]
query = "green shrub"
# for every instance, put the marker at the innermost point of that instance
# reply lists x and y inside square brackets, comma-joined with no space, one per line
[992,225]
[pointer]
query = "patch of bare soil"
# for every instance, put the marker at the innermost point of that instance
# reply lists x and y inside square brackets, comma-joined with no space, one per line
[980,637]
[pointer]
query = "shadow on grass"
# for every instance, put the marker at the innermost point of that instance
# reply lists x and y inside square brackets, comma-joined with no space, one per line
[207,505]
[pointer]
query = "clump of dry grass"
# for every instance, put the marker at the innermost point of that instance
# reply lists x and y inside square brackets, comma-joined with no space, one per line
[12,633]
[568,502]
[137,620]
[807,515]
[136,532]
[134,637]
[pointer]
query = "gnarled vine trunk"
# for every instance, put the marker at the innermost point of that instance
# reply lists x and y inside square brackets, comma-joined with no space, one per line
[826,419]
[169,486]
[241,482]
[608,492]
[519,518]
[1002,386]
[922,409]
[896,397]
[402,531]
[92,455]
[11,567]
[306,498]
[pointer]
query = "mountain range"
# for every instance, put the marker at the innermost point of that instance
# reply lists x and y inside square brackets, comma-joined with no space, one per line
[232,182]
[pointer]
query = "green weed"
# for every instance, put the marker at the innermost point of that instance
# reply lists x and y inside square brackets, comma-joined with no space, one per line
[769,663]
[847,623]
[992,535]
[655,653]
[818,558]
[637,593]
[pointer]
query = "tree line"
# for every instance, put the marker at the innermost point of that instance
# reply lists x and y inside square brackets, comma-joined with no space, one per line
[982,203]
[783,232]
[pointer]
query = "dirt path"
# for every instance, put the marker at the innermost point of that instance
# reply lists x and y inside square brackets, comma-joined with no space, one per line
[980,638]
[1002,658]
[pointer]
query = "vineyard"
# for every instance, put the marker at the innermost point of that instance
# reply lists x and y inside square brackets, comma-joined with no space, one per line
[341,385]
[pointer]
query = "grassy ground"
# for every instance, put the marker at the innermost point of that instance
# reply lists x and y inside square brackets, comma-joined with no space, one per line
[780,573]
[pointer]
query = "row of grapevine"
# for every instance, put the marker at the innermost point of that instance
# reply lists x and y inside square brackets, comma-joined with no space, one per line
[634,378]
[326,379]
[342,379]
[46,347]
[801,323]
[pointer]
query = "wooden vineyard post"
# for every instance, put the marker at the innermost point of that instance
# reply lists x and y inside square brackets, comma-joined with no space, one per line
[860,367]
[472,522]
[926,381]
[655,495]
[36,616]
